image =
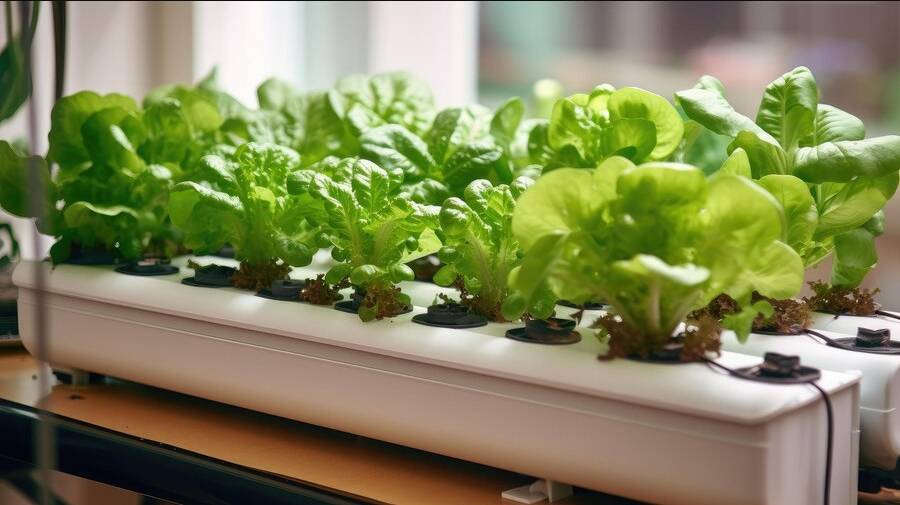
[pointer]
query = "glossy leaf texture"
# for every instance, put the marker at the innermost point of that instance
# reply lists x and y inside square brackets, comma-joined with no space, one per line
[479,246]
[374,231]
[249,208]
[116,165]
[849,177]
[585,129]
[654,240]
[462,145]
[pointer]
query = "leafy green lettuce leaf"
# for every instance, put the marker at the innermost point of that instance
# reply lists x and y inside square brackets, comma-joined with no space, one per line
[374,231]
[654,240]
[251,209]
[585,129]
[479,246]
[850,178]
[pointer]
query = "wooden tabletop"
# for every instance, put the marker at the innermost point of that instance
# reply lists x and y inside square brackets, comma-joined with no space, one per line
[336,461]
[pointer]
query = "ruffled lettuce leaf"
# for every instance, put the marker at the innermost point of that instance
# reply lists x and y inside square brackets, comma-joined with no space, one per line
[654,240]
[479,246]
[373,230]
[250,209]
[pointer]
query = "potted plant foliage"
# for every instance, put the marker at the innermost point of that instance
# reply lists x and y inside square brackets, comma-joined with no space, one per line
[373,231]
[116,163]
[584,129]
[832,181]
[244,201]
[655,240]
[480,249]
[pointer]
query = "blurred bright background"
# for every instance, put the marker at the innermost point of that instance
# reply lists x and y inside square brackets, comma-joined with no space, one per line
[487,51]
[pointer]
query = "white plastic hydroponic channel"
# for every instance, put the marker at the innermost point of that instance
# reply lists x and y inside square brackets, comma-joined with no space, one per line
[849,324]
[554,412]
[879,391]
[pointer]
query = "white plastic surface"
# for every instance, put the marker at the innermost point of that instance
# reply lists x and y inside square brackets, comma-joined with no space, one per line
[849,324]
[549,411]
[879,391]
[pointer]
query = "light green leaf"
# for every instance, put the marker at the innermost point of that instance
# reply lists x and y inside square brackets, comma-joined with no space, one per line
[710,109]
[399,151]
[482,160]
[273,94]
[632,138]
[854,204]
[635,103]
[842,161]
[832,125]
[799,208]
[66,121]
[558,203]
[506,120]
[391,98]
[571,124]
[765,157]
[736,164]
[854,257]
[789,106]
[14,181]
[454,128]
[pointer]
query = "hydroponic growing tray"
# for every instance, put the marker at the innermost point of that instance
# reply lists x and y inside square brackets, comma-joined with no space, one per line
[556,412]
[879,386]
[850,324]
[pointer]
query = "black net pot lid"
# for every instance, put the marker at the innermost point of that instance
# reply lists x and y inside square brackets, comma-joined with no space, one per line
[552,331]
[211,276]
[450,315]
[147,268]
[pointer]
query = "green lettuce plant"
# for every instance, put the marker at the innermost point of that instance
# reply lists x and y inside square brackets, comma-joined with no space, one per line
[244,202]
[462,145]
[814,158]
[654,241]
[586,128]
[319,124]
[306,122]
[116,164]
[373,229]
[480,249]
[366,102]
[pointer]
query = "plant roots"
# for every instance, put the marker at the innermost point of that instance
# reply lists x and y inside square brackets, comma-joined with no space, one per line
[700,339]
[845,301]
[790,316]
[381,301]
[476,303]
[319,292]
[256,277]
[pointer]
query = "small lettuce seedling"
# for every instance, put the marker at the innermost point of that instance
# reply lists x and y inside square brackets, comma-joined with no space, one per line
[480,249]
[655,241]
[116,164]
[373,230]
[814,158]
[585,129]
[244,202]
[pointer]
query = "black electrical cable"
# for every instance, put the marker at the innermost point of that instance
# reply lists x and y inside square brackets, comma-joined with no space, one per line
[828,340]
[843,344]
[829,412]
[59,48]
[887,314]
